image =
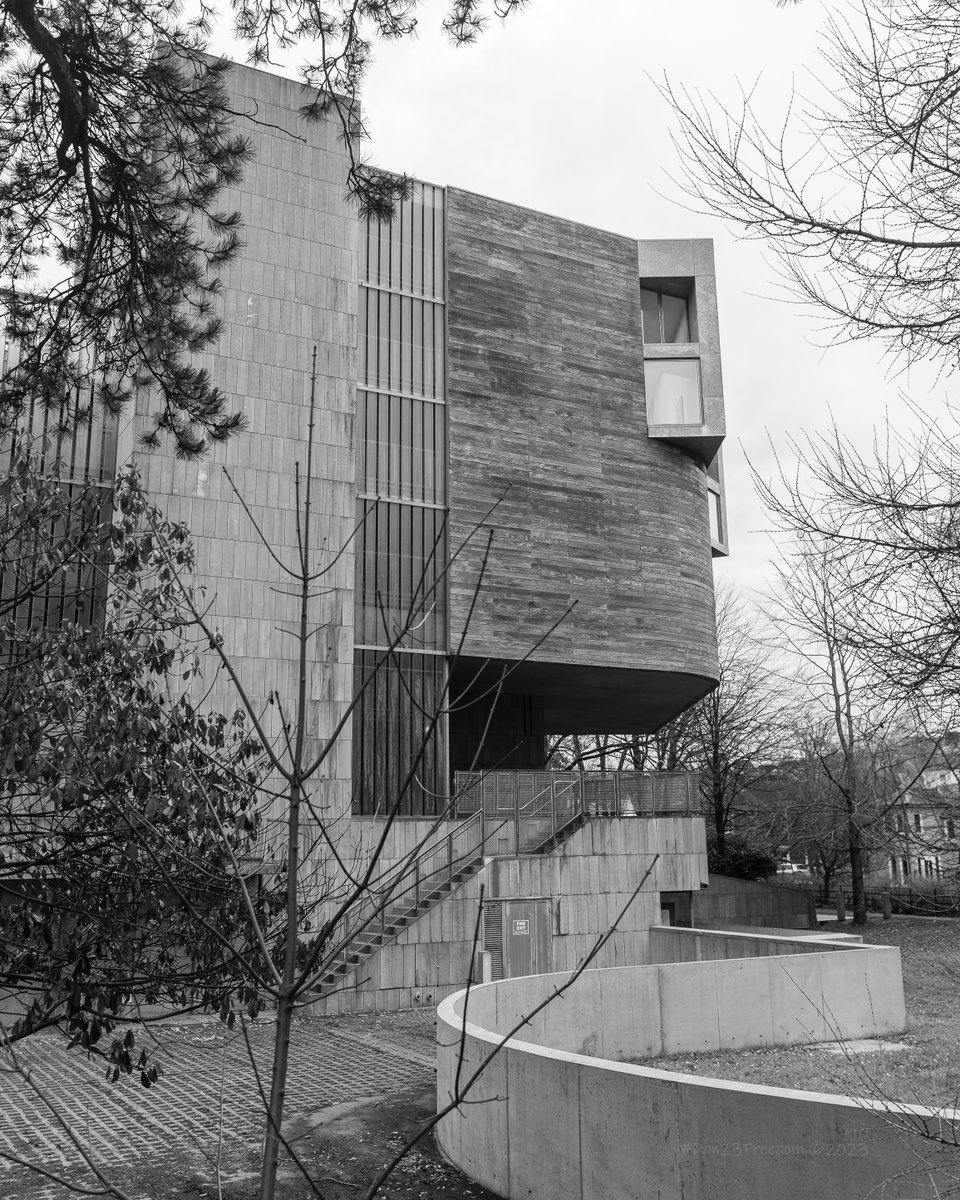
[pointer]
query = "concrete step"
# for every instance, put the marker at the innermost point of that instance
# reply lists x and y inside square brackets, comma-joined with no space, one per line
[375,937]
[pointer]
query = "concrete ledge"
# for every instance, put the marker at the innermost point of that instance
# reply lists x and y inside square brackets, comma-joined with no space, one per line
[554,1118]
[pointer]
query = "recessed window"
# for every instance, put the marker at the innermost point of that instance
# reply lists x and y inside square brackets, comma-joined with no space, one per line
[673,391]
[666,317]
[716,517]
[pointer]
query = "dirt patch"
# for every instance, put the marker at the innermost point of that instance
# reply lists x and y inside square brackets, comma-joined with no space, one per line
[349,1148]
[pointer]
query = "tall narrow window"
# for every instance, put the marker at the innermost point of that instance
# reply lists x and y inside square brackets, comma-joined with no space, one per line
[83,462]
[400,631]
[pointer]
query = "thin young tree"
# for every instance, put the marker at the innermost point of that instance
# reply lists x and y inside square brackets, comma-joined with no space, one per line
[320,891]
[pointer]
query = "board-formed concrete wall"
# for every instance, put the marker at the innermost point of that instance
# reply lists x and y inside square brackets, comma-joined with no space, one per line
[729,902]
[592,875]
[548,422]
[549,1120]
[590,879]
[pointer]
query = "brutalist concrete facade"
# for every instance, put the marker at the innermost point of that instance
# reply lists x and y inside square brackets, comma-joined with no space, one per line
[533,382]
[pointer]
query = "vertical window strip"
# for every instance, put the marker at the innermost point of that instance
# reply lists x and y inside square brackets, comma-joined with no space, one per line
[401,440]
[400,448]
[394,715]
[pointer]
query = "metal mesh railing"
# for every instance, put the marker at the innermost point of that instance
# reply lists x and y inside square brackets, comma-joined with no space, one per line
[542,803]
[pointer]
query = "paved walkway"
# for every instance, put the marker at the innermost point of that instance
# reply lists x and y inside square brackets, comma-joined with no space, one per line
[208,1094]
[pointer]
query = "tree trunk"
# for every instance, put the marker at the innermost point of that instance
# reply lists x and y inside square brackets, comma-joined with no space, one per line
[855,838]
[278,1092]
[719,821]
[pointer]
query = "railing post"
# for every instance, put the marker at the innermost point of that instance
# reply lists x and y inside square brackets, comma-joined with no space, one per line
[616,794]
[516,814]
[449,855]
[553,805]
[416,882]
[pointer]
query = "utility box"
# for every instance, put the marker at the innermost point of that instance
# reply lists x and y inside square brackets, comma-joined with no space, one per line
[527,938]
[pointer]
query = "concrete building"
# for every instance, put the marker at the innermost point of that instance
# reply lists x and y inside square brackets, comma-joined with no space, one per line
[482,371]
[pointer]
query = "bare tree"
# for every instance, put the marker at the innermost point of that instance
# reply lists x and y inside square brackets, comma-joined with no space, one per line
[734,737]
[891,515]
[670,748]
[859,726]
[859,194]
[741,727]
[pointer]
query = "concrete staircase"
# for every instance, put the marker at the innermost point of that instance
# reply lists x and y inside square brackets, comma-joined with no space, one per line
[560,835]
[421,885]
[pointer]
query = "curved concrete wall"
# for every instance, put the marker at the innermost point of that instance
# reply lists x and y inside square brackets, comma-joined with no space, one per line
[548,424]
[549,1119]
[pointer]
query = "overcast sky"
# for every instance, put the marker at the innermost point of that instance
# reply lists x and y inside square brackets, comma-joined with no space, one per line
[557,109]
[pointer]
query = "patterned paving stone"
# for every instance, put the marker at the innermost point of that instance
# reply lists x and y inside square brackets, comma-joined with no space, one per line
[208,1097]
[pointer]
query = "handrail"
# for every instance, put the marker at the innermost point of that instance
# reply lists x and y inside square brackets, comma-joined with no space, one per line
[597,794]
[421,877]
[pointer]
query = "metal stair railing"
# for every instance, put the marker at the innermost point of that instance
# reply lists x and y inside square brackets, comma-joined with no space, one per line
[414,886]
[539,823]
[543,803]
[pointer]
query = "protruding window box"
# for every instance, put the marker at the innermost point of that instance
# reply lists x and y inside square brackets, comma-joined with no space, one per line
[683,406]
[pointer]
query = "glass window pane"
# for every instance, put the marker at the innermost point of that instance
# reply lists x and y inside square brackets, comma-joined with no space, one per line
[716,518]
[675,325]
[408,216]
[369,375]
[381,379]
[401,482]
[438,340]
[428,351]
[650,315]
[395,234]
[416,277]
[429,451]
[405,337]
[438,243]
[416,383]
[383,444]
[673,391]
[393,379]
[383,252]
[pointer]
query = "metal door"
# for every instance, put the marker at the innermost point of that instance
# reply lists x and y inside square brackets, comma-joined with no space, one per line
[527,937]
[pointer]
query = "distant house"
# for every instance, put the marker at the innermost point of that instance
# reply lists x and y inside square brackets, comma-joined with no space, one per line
[926,825]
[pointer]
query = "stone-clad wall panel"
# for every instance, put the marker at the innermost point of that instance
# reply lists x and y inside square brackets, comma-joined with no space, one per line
[546,407]
[293,287]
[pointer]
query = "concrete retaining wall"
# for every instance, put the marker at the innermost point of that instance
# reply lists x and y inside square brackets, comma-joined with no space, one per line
[556,1122]
[728,901]
[589,879]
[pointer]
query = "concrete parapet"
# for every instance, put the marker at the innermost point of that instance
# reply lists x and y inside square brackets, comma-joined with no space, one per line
[554,1117]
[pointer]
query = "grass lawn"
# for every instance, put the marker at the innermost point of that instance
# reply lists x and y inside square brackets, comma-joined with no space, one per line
[926,1072]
